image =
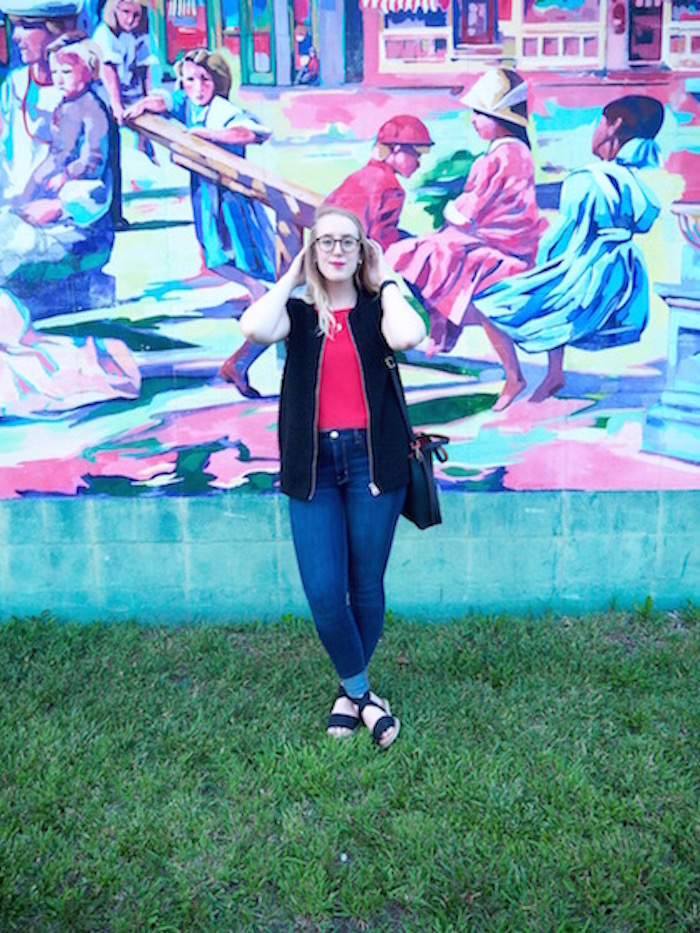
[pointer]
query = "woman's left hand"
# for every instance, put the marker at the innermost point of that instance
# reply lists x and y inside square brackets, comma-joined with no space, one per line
[377,266]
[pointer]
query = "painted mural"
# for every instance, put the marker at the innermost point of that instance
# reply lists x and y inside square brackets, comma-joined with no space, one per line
[530,167]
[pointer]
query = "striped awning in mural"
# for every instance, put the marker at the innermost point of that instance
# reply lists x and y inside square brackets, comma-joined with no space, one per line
[406,6]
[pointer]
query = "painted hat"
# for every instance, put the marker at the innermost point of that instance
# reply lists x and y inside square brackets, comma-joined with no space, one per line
[493,95]
[41,9]
[404,130]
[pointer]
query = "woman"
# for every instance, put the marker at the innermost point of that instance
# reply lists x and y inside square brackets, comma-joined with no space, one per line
[590,289]
[491,230]
[343,443]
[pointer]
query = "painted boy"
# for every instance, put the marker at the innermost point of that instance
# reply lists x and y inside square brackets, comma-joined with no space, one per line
[375,194]
[80,126]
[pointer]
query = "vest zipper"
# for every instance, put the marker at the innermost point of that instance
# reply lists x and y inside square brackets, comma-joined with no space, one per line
[373,488]
[317,404]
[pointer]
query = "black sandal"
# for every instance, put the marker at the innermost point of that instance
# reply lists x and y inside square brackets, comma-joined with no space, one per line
[385,722]
[342,720]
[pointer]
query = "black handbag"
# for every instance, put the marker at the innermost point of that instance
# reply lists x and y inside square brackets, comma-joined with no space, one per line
[422,506]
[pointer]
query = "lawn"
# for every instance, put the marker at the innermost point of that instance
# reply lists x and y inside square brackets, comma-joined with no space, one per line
[546,778]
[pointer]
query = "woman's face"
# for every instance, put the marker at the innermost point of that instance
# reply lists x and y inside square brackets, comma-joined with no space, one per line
[128,15]
[32,38]
[197,83]
[485,126]
[337,247]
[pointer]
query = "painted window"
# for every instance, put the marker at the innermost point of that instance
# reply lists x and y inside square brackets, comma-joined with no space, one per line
[686,11]
[261,28]
[561,11]
[185,26]
[474,21]
[231,22]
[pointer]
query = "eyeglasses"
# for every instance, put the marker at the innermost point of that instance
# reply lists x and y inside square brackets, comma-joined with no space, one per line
[326,244]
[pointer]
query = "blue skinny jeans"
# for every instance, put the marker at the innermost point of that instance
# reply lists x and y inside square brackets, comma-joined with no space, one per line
[342,538]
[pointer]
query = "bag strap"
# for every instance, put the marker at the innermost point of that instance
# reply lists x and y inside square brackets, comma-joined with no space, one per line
[392,366]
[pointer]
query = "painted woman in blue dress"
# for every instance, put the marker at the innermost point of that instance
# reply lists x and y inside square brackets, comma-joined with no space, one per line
[590,287]
[231,228]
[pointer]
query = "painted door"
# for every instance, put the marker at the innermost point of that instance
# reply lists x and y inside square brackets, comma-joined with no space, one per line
[257,42]
[645,30]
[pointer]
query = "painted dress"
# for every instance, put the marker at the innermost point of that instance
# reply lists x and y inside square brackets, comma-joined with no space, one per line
[590,288]
[41,374]
[374,194]
[492,232]
[230,227]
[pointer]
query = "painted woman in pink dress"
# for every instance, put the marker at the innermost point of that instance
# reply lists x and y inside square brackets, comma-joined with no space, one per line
[491,230]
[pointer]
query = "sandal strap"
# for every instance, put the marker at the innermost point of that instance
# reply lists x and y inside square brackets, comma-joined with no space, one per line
[381,726]
[342,721]
[383,723]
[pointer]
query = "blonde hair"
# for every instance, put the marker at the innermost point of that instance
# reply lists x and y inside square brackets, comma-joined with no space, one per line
[316,293]
[213,63]
[76,46]
[110,17]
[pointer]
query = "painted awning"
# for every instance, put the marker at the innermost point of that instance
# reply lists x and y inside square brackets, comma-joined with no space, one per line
[406,6]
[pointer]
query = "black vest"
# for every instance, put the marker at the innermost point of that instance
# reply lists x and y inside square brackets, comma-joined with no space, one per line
[298,413]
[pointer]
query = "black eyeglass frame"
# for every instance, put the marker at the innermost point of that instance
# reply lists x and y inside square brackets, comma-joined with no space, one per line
[357,242]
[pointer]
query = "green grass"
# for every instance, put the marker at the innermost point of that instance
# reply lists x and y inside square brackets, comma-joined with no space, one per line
[546,779]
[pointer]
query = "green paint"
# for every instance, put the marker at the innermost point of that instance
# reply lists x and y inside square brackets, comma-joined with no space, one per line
[452,408]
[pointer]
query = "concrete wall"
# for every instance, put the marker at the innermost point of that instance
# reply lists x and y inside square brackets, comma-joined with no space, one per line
[230,557]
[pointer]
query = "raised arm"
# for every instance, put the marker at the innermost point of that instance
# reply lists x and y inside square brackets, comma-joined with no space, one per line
[110,79]
[267,320]
[402,326]
[153,103]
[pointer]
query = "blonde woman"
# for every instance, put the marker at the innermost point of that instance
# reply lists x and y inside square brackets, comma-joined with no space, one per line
[343,443]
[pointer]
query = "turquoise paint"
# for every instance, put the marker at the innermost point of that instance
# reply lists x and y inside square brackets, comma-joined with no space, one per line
[230,558]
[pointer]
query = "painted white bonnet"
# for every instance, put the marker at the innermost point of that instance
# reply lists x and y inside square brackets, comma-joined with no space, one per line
[493,95]
[37,9]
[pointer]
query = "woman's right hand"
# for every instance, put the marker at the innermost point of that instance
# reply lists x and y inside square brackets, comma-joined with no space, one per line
[296,268]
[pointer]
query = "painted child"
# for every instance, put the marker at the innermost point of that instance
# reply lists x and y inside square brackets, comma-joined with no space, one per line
[62,214]
[232,229]
[491,230]
[123,40]
[374,191]
[590,288]
[80,126]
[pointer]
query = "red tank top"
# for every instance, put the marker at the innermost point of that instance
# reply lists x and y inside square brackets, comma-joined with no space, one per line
[341,395]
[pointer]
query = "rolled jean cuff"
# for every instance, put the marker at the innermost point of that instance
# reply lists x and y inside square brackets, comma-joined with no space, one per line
[357,685]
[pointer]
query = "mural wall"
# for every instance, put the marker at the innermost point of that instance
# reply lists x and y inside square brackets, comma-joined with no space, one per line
[531,167]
